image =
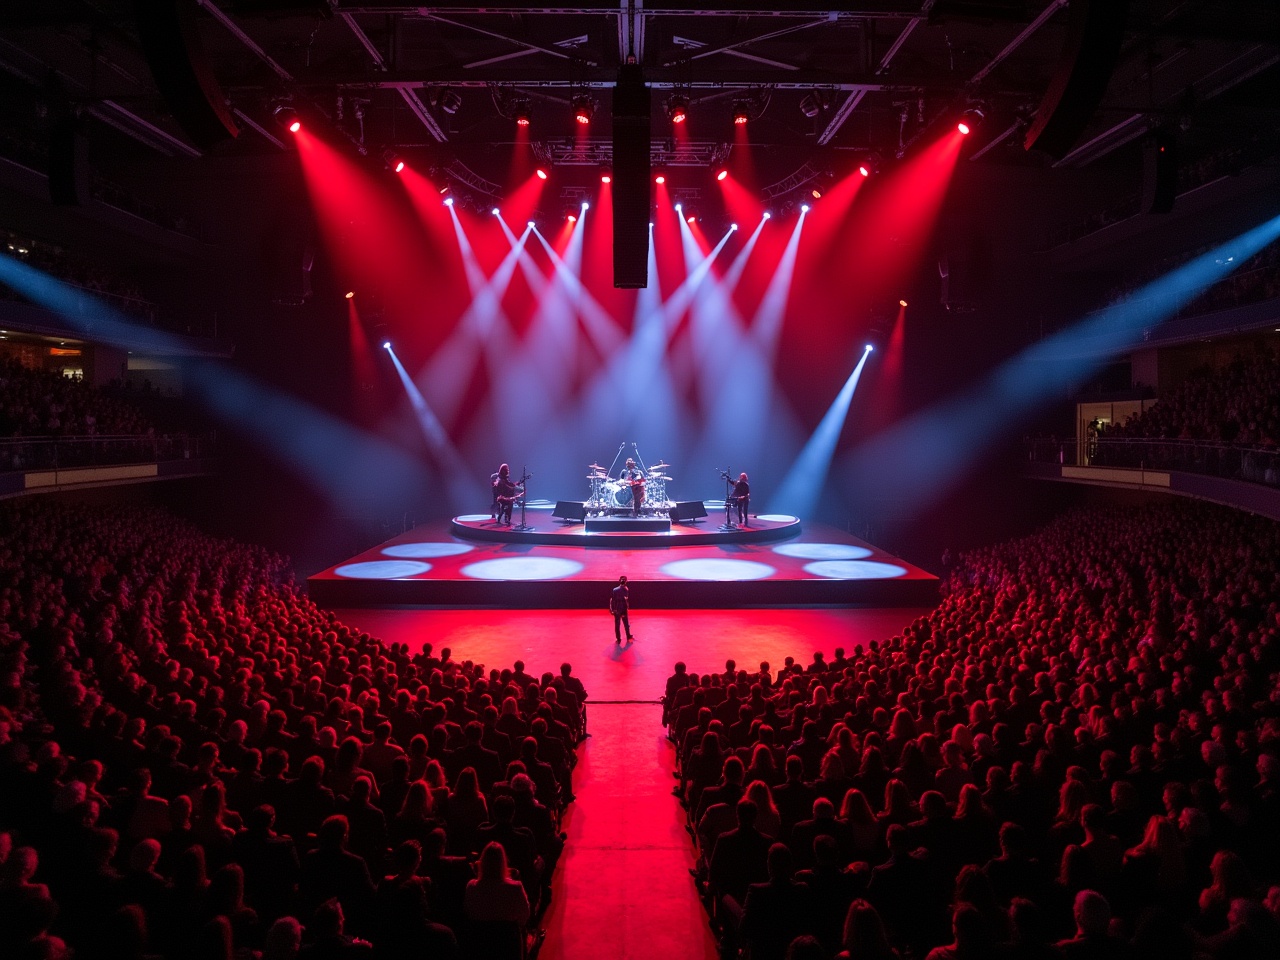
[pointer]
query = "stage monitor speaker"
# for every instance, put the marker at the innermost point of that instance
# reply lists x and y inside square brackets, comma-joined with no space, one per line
[569,510]
[1095,29]
[68,164]
[688,510]
[183,71]
[630,187]
[1159,172]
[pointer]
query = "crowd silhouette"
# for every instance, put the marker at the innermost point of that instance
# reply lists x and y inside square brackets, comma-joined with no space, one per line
[1075,755]
[199,762]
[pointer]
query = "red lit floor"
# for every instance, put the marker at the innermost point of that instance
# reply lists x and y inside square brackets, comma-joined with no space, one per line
[622,890]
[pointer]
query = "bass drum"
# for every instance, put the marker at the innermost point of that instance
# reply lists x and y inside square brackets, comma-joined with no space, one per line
[620,494]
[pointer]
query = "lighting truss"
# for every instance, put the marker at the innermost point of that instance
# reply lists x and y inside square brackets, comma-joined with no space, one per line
[592,152]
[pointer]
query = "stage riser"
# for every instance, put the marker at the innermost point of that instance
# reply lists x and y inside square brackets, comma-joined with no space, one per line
[627,525]
[585,594]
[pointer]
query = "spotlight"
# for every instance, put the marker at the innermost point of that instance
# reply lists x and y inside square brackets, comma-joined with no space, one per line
[732,227]
[902,303]
[571,218]
[870,165]
[392,160]
[804,208]
[541,172]
[386,345]
[810,105]
[970,120]
[496,212]
[287,117]
[399,167]
[606,173]
[449,101]
[350,294]
[723,174]
[520,113]
[741,112]
[767,215]
[448,201]
[691,218]
[678,107]
[815,193]
[864,170]
[679,207]
[660,175]
[869,348]
[532,225]
[584,108]
[585,206]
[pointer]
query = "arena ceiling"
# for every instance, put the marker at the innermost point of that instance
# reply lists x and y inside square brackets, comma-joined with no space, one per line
[445,82]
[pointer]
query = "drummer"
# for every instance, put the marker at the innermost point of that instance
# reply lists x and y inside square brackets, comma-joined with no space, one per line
[633,476]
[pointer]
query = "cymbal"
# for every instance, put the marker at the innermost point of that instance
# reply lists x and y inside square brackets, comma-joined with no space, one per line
[666,476]
[597,476]
[659,466]
[594,466]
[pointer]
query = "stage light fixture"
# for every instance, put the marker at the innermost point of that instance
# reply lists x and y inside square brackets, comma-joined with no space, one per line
[386,345]
[532,225]
[585,206]
[399,167]
[741,112]
[450,102]
[542,173]
[393,161]
[571,218]
[678,107]
[287,117]
[496,212]
[722,175]
[733,226]
[660,175]
[691,218]
[902,303]
[606,173]
[679,207]
[970,120]
[448,201]
[869,348]
[815,193]
[584,108]
[350,294]
[810,105]
[804,208]
[766,215]
[520,112]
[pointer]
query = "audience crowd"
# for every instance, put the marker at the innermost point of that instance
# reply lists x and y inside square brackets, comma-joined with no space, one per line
[57,262]
[1076,755]
[1238,403]
[198,762]
[40,403]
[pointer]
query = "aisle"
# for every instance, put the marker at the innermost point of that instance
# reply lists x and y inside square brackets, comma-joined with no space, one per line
[623,890]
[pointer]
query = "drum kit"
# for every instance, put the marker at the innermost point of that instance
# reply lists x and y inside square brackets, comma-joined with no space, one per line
[609,495]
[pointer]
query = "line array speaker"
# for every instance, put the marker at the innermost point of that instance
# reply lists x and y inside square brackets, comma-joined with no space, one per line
[1159,172]
[630,188]
[1095,29]
[183,71]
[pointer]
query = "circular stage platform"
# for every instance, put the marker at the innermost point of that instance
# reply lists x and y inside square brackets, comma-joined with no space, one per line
[621,532]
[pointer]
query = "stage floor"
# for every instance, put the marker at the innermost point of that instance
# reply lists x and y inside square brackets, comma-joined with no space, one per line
[433,566]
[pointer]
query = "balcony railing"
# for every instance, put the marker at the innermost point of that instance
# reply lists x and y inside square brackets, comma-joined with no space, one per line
[21,454]
[1232,461]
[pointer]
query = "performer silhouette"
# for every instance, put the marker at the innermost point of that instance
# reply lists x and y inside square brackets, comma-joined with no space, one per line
[619,606]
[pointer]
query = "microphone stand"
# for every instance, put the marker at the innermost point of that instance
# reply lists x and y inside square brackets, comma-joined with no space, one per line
[728,519]
[524,497]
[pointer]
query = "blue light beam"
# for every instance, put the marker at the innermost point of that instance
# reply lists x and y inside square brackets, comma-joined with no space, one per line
[802,486]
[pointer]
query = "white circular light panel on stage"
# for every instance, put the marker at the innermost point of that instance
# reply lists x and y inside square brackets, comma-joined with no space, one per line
[473,517]
[854,570]
[382,569]
[522,568]
[822,551]
[426,549]
[713,568]
[776,517]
